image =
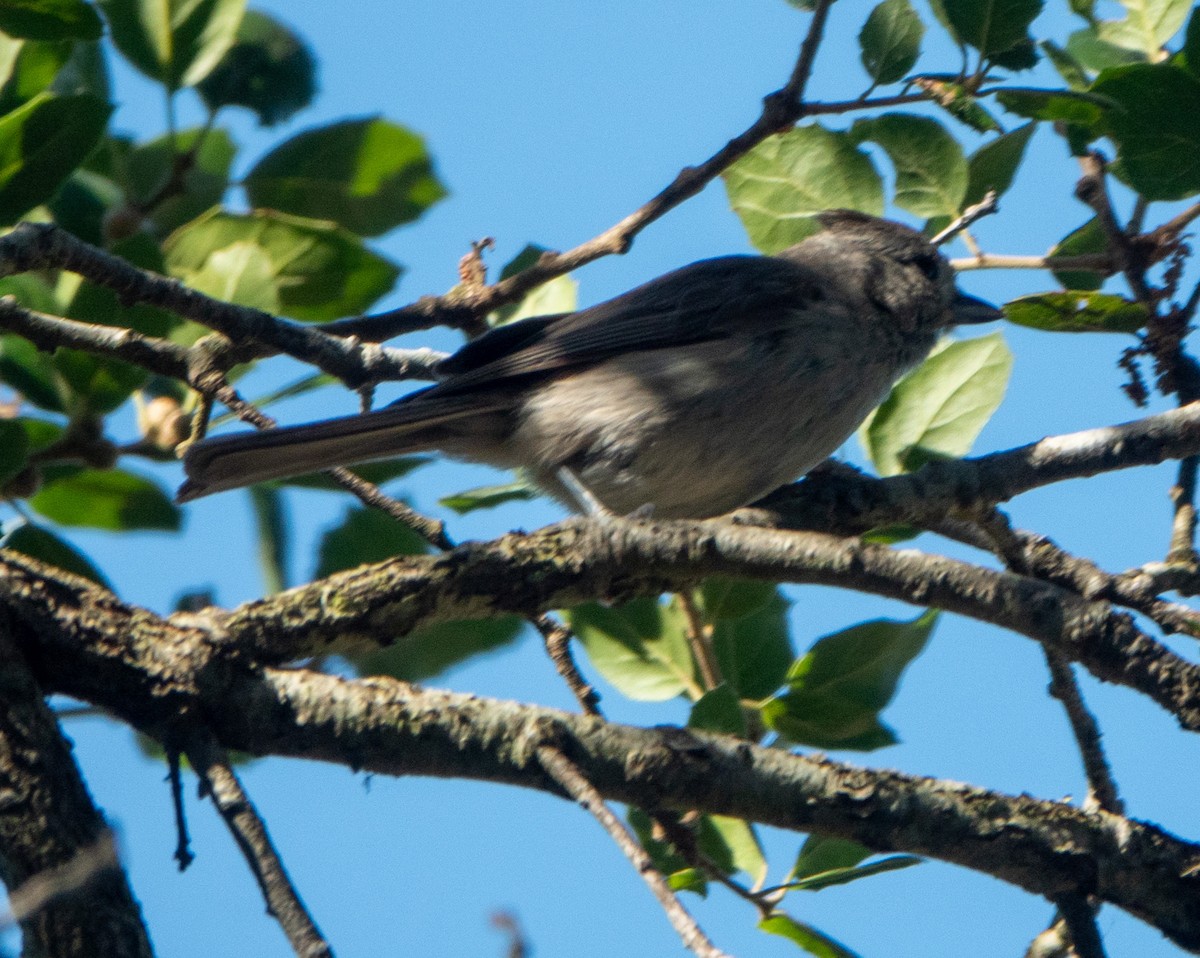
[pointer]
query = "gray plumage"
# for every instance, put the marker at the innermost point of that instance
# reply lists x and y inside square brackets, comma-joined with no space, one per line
[693,394]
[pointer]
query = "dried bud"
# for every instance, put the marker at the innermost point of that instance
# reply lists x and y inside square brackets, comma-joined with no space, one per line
[163,423]
[120,223]
[24,484]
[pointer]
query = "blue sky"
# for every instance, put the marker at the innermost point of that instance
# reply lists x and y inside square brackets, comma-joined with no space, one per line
[548,122]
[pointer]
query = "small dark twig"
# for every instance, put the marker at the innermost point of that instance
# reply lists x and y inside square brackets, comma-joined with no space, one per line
[568,776]
[558,646]
[221,784]
[183,851]
[431,530]
[506,922]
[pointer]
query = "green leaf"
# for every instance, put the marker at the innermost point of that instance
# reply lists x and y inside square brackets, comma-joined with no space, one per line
[732,845]
[1087,47]
[33,72]
[31,373]
[805,935]
[754,651]
[1077,311]
[779,186]
[931,172]
[823,853]
[1067,106]
[1147,26]
[994,165]
[891,40]
[82,202]
[957,100]
[836,691]
[207,155]
[940,407]
[1070,69]
[269,70]
[991,26]
[688,879]
[719,710]
[1191,44]
[488,497]
[428,652]
[640,647]
[40,543]
[825,861]
[85,71]
[662,854]
[365,535]
[1023,55]
[106,499]
[41,143]
[50,20]
[321,271]
[1088,238]
[273,534]
[10,50]
[242,273]
[177,42]
[1156,130]
[14,448]
[369,175]
[98,384]
[385,470]
[559,295]
[734,598]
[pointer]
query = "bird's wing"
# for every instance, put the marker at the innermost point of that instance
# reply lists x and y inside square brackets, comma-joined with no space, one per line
[704,301]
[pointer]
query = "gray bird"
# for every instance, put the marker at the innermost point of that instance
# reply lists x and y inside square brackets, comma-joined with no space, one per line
[699,392]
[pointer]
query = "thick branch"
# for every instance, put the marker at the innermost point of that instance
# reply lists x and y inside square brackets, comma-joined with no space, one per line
[83,641]
[50,831]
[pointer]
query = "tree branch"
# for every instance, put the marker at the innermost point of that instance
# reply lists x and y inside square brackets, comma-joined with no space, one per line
[250,832]
[575,784]
[32,246]
[52,837]
[160,677]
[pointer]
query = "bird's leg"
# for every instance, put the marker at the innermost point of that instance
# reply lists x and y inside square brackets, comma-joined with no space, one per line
[582,495]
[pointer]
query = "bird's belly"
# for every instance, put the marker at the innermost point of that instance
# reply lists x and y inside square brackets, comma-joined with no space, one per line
[694,438]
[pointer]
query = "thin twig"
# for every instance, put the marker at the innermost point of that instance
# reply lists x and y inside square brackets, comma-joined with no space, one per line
[250,832]
[558,646]
[1102,788]
[781,109]
[568,776]
[32,246]
[985,207]
[1099,263]
[700,640]
[431,530]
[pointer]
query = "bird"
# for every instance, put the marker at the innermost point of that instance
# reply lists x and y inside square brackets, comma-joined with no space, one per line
[687,397]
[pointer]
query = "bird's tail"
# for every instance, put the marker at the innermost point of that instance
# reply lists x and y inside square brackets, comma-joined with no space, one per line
[242,459]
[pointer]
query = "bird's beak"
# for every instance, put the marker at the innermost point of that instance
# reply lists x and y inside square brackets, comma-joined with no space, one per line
[968,310]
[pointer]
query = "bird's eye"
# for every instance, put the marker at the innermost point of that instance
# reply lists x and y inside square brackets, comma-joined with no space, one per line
[928,263]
